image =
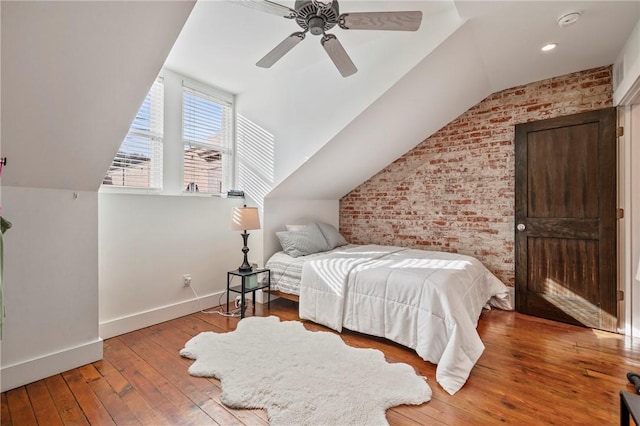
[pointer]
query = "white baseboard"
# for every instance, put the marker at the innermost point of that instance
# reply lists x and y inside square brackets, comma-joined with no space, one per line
[22,373]
[15,375]
[126,324]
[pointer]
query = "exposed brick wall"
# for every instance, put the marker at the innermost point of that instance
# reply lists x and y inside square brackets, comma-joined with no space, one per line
[455,191]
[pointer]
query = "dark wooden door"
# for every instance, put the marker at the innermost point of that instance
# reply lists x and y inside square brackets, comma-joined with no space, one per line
[566,263]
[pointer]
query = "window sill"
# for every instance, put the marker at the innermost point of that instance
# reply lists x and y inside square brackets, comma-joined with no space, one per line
[202,194]
[128,190]
[158,192]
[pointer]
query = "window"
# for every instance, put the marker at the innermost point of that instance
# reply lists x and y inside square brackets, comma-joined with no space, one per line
[194,153]
[207,133]
[138,163]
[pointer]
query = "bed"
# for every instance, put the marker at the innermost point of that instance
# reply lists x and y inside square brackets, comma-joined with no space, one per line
[425,300]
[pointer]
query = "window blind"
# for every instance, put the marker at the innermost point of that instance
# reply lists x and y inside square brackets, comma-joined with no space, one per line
[138,162]
[207,132]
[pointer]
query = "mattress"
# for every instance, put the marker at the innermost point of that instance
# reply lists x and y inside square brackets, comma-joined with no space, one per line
[286,271]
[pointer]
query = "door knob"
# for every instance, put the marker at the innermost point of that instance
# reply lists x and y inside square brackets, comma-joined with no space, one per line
[521,227]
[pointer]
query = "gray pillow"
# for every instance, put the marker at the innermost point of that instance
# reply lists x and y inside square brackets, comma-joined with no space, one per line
[332,235]
[307,240]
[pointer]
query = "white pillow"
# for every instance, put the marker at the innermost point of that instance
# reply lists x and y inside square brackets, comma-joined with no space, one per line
[332,235]
[308,240]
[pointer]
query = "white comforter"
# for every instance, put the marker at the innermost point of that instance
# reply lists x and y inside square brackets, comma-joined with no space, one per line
[428,301]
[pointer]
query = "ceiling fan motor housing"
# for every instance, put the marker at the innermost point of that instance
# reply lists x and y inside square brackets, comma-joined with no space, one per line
[319,16]
[316,19]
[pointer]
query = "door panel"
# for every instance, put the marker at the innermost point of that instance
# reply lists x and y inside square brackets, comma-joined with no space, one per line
[566,200]
[565,182]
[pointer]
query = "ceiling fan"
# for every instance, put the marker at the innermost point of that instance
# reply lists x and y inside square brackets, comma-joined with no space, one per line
[319,16]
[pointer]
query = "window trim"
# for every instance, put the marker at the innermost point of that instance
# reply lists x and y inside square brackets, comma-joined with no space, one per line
[228,177]
[172,165]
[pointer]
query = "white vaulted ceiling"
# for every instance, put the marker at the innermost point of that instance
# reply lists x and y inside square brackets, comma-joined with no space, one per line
[302,100]
[74,73]
[332,133]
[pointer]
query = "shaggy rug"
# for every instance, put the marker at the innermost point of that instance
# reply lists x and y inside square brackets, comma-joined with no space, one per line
[303,377]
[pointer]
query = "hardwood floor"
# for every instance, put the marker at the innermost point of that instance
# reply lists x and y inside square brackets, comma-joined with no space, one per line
[533,371]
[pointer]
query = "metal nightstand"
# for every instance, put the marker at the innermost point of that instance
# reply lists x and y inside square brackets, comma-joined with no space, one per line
[249,286]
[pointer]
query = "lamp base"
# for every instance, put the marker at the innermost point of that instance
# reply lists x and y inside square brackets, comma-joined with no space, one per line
[246,266]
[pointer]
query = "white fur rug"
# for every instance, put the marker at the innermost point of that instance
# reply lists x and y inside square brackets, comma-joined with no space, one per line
[303,377]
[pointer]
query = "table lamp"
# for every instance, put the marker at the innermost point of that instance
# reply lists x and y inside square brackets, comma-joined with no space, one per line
[243,219]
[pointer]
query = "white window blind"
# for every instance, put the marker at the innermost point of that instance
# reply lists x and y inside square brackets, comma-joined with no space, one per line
[138,162]
[207,132]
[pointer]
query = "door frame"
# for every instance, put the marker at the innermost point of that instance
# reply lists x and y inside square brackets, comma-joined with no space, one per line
[629,226]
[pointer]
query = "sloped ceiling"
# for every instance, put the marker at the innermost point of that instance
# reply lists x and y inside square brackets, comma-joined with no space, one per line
[74,73]
[509,35]
[73,76]
[302,100]
[443,85]
[330,134]
[497,48]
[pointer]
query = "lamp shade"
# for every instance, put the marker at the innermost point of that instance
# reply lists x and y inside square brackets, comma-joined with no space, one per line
[245,218]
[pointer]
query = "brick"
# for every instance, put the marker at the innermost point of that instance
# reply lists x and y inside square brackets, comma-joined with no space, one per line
[455,190]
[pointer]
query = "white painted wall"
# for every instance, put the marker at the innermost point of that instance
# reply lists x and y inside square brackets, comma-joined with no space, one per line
[146,245]
[1,299]
[626,73]
[73,76]
[148,240]
[627,65]
[50,283]
[633,185]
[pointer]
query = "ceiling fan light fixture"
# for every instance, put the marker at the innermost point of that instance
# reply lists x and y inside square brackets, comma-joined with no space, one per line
[316,25]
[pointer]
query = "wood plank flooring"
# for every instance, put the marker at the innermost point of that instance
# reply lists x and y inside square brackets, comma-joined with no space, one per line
[533,371]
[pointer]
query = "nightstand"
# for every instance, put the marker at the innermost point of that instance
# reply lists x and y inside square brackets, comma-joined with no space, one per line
[629,406]
[250,283]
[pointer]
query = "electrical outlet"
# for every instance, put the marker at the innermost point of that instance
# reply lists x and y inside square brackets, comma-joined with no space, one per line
[186,280]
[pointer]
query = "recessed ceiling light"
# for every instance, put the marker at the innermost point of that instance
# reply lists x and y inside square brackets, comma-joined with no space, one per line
[548,47]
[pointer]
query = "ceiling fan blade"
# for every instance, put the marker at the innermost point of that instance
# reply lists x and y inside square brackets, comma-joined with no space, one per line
[280,50]
[267,6]
[338,55]
[391,21]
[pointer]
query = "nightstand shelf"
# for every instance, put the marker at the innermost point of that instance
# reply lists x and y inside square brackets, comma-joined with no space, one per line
[249,286]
